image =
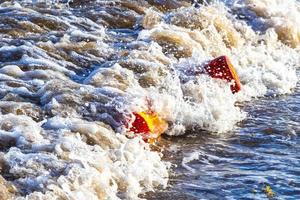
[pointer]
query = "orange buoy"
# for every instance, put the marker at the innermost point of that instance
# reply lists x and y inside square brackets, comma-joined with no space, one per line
[149,124]
[222,68]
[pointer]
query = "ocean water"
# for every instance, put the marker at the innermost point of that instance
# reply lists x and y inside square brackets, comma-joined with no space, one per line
[263,151]
[72,72]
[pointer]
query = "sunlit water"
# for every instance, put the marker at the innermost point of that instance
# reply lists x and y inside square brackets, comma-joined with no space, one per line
[70,74]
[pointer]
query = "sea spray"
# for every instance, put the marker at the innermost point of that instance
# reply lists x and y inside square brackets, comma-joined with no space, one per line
[70,73]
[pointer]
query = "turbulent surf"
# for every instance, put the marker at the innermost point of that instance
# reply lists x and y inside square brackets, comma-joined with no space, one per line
[72,71]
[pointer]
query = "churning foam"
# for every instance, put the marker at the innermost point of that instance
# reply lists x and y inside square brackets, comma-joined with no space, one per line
[65,89]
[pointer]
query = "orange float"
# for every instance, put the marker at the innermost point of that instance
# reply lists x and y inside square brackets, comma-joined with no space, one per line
[149,125]
[222,68]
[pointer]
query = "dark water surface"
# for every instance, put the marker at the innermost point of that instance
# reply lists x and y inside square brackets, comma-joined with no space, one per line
[263,151]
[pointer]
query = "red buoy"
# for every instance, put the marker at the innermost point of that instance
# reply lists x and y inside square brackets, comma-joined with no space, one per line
[222,68]
[139,125]
[148,124]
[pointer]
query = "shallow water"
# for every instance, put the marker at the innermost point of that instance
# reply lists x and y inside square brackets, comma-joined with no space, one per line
[262,151]
[73,72]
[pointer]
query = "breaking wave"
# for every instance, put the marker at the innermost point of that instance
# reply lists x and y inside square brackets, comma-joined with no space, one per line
[72,71]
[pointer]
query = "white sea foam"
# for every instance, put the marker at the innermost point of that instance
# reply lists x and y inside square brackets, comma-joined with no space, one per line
[282,15]
[57,92]
[75,168]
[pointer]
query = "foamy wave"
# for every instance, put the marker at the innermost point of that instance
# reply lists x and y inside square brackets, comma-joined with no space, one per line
[69,77]
[73,158]
[282,16]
